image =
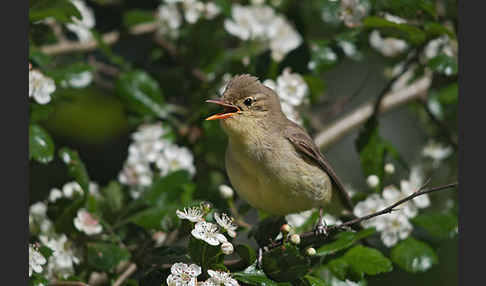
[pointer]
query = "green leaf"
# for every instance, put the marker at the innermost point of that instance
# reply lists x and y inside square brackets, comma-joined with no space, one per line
[64,222]
[246,253]
[142,93]
[105,256]
[38,57]
[405,8]
[76,168]
[314,281]
[166,189]
[114,196]
[285,263]
[339,267]
[371,148]
[443,64]
[434,30]
[441,225]
[137,16]
[41,146]
[343,241]
[413,255]
[61,10]
[367,260]
[151,218]
[391,29]
[39,112]
[166,255]
[253,276]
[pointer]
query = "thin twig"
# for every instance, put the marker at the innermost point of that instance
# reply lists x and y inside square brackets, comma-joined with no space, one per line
[345,225]
[127,273]
[238,218]
[349,122]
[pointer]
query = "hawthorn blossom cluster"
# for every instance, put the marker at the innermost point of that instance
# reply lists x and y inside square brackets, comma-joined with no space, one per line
[352,12]
[262,24]
[388,47]
[151,151]
[40,86]
[437,152]
[292,90]
[170,18]
[183,274]
[396,225]
[210,232]
[81,27]
[36,260]
[61,263]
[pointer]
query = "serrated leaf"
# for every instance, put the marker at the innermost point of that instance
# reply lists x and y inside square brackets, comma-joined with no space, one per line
[391,29]
[203,254]
[166,189]
[344,240]
[76,168]
[61,10]
[151,218]
[142,93]
[41,146]
[434,30]
[442,225]
[371,149]
[105,256]
[443,64]
[367,260]
[413,255]
[285,263]
[339,268]
[253,276]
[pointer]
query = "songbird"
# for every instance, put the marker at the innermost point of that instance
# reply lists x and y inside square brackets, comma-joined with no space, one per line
[271,161]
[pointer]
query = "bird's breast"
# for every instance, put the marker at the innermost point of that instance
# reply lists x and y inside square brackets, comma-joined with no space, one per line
[271,176]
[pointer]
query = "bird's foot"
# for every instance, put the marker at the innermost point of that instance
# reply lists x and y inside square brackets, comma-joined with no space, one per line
[321,227]
[260,257]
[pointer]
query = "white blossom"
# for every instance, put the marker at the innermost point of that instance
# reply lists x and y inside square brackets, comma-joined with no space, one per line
[388,47]
[70,189]
[159,237]
[38,209]
[226,192]
[226,222]
[85,222]
[392,194]
[175,158]
[227,248]
[437,152]
[194,214]
[79,80]
[211,10]
[208,232]
[169,19]
[261,23]
[389,168]
[413,184]
[36,260]
[396,227]
[40,87]
[372,181]
[311,251]
[395,19]
[192,10]
[353,11]
[371,204]
[183,274]
[54,195]
[295,238]
[82,27]
[62,260]
[222,278]
[349,49]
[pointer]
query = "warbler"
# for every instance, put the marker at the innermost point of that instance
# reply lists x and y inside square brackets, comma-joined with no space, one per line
[271,161]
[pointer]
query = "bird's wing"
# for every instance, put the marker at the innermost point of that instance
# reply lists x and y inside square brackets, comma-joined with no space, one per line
[304,144]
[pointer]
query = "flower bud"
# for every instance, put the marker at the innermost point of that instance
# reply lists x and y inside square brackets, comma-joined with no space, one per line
[225,191]
[285,228]
[373,181]
[389,168]
[311,251]
[227,248]
[295,239]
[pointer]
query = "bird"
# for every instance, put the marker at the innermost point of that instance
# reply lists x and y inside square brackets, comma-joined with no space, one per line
[272,162]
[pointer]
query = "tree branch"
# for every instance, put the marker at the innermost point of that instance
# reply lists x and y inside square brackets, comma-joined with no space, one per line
[124,276]
[346,124]
[68,283]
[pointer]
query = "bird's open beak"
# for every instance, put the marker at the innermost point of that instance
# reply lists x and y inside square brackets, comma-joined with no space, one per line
[229,110]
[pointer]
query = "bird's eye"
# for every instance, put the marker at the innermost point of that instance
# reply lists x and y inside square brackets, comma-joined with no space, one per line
[248,101]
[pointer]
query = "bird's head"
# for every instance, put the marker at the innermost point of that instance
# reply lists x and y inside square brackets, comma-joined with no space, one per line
[246,102]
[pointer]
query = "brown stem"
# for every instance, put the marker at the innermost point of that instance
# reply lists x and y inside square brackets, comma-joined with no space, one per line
[354,119]
[127,273]
[68,283]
